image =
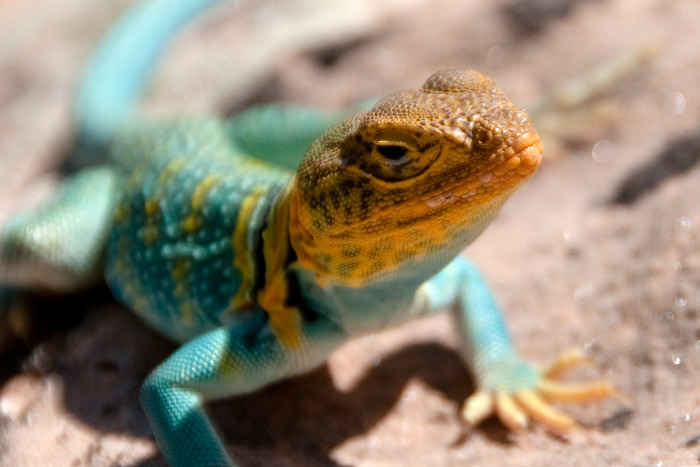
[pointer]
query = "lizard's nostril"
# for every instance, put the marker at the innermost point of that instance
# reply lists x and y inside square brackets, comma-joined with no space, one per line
[526,141]
[530,158]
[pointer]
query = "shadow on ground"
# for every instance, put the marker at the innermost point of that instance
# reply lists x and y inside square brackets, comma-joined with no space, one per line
[103,361]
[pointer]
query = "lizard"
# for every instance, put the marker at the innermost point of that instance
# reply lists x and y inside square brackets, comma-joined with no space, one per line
[198,225]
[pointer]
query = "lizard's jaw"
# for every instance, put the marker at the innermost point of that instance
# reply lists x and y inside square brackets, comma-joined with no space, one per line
[498,180]
[453,213]
[438,224]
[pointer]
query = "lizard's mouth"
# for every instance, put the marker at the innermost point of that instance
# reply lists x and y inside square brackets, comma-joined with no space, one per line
[527,154]
[519,163]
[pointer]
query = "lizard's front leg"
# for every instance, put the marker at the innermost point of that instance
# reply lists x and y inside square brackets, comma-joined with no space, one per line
[221,363]
[59,245]
[506,385]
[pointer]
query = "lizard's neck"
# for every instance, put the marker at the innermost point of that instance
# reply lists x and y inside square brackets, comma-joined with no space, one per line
[276,248]
[407,254]
[277,254]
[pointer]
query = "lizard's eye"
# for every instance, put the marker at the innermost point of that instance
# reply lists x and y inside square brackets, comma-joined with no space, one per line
[392,151]
[397,155]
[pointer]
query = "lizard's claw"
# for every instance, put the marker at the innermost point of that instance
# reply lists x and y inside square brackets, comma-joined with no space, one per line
[515,408]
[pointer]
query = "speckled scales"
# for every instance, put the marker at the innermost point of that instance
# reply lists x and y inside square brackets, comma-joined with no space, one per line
[171,253]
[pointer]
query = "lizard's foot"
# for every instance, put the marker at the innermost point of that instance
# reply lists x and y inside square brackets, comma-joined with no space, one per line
[515,407]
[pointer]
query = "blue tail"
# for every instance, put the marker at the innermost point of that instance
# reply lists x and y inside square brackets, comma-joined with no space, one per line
[119,68]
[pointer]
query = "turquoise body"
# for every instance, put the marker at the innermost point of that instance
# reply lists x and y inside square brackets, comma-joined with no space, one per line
[172,204]
[172,261]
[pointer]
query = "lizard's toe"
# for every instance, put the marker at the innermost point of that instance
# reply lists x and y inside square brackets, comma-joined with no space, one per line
[510,412]
[483,404]
[516,407]
[540,410]
[515,410]
[557,391]
[564,362]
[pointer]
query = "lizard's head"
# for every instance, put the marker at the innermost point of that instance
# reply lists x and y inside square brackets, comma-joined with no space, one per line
[413,180]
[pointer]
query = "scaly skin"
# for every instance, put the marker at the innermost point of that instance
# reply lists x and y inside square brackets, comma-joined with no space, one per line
[413,180]
[260,274]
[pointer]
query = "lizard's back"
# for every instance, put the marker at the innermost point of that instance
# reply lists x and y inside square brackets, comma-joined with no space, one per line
[185,248]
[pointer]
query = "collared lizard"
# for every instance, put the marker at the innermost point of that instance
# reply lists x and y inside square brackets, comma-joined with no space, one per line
[261,273]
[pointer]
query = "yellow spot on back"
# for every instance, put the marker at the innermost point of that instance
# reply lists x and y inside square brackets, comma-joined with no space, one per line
[149,234]
[187,314]
[123,212]
[180,271]
[171,169]
[182,290]
[191,223]
[179,274]
[199,196]
[152,207]
[188,310]
[242,256]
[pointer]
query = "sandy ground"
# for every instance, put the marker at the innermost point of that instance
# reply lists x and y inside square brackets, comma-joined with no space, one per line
[600,251]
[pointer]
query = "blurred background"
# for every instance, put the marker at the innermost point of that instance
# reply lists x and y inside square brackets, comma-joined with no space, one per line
[599,251]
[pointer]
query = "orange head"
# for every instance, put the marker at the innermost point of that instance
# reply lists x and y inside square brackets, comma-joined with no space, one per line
[414,179]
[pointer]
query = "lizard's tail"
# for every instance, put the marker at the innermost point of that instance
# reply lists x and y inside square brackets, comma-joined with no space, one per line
[116,73]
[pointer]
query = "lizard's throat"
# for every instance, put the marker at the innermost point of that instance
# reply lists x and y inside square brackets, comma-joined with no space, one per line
[357,256]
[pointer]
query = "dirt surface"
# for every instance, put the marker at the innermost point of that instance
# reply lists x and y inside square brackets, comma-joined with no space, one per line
[600,251]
